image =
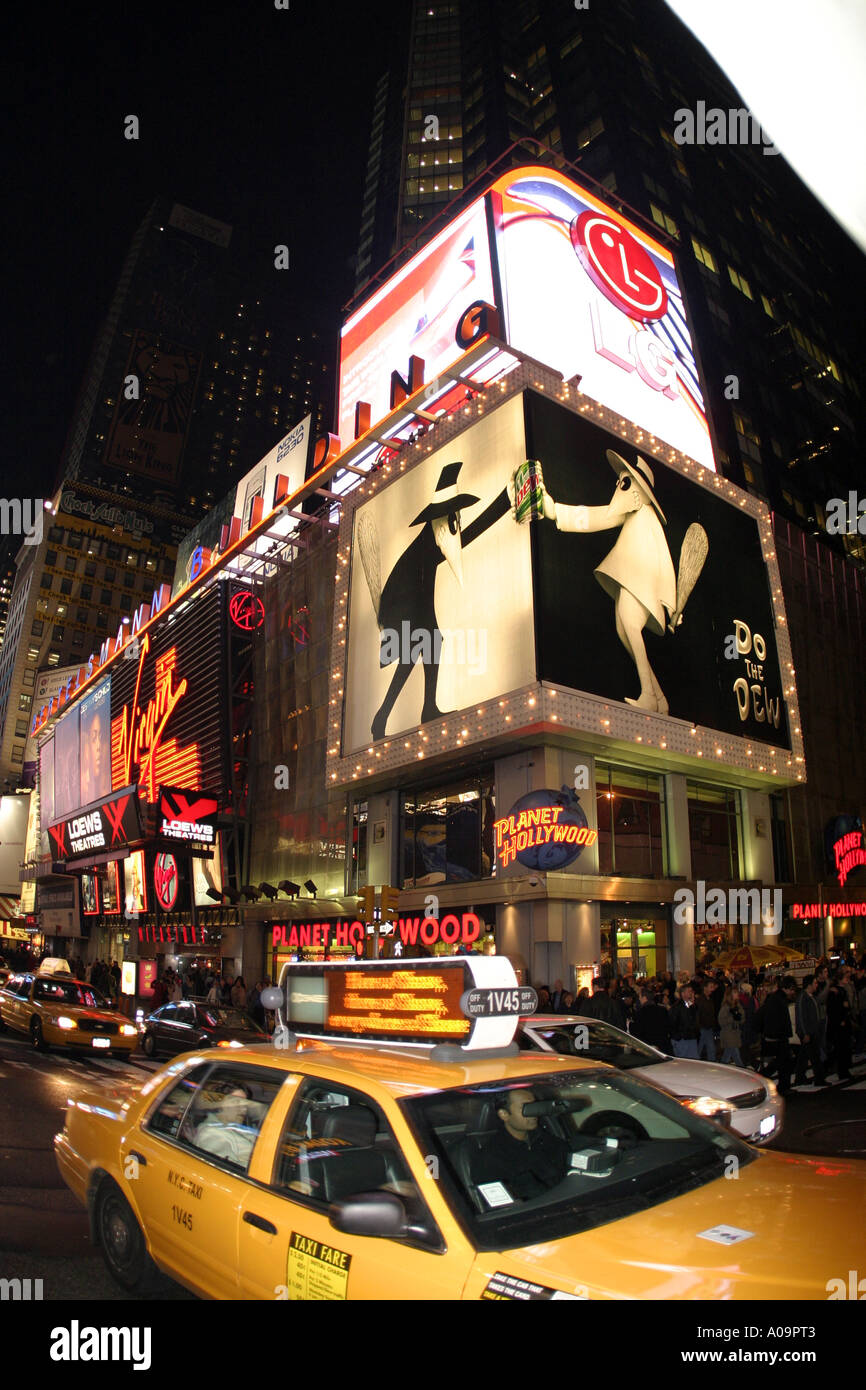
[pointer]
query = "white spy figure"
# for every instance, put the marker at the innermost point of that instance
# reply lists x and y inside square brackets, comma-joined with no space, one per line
[638,572]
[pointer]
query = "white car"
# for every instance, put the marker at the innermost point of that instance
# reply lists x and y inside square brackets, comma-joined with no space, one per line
[748,1102]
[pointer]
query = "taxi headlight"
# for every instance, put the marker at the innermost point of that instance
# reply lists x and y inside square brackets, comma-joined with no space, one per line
[128,1029]
[65,1022]
[711,1107]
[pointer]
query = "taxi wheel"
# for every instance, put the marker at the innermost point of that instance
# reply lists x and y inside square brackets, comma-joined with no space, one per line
[148,1045]
[37,1039]
[122,1242]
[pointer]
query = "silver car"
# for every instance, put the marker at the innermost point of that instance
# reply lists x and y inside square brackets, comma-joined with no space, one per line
[749,1103]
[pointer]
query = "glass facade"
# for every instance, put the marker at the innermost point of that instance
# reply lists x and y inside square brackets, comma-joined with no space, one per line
[629,810]
[446,834]
[714,831]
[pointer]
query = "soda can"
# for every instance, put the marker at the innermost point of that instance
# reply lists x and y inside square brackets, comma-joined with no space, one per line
[528,485]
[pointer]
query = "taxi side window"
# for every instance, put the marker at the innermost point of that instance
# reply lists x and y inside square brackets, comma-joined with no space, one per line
[227,1112]
[22,989]
[169,1114]
[337,1143]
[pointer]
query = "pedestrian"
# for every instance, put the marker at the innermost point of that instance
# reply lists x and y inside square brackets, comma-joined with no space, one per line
[684,1025]
[731,1027]
[175,992]
[839,1027]
[778,1030]
[808,1031]
[651,1024]
[239,994]
[707,1022]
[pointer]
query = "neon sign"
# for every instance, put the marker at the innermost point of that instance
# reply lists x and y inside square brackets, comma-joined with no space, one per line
[137,734]
[247,611]
[849,853]
[539,830]
[803,911]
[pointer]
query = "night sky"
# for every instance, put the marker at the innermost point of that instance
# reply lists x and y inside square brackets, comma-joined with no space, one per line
[256,116]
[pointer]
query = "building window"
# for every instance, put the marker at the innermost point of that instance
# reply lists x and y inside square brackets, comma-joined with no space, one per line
[25,701]
[75,541]
[704,255]
[714,832]
[740,282]
[105,596]
[70,562]
[629,819]
[101,620]
[87,592]
[17,753]
[51,557]
[447,834]
[662,220]
[37,628]
[358,865]
[20,728]
[90,569]
[66,586]
[53,658]
[779,830]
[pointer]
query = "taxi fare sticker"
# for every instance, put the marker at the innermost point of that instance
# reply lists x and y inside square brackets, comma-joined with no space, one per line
[506,1286]
[316,1270]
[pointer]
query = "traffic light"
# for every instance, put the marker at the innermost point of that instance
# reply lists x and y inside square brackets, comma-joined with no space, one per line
[390,902]
[367,903]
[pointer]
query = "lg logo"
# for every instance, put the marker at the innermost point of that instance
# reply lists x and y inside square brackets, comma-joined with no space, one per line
[619,267]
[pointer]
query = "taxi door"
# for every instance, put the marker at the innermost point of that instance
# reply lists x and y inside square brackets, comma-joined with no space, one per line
[287,1247]
[186,1205]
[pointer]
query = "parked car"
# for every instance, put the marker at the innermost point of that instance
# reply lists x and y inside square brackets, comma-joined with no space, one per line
[749,1102]
[193,1024]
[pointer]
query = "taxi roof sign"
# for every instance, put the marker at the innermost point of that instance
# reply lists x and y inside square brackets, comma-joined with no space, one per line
[416,1002]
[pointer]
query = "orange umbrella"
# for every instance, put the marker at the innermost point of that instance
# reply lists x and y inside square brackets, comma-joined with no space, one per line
[753,957]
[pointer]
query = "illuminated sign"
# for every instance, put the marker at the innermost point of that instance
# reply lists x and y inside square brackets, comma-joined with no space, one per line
[247,611]
[298,936]
[111,889]
[535,239]
[187,815]
[803,911]
[127,977]
[544,830]
[165,881]
[849,852]
[114,823]
[181,933]
[417,1001]
[399,1003]
[89,895]
[138,735]
[419,930]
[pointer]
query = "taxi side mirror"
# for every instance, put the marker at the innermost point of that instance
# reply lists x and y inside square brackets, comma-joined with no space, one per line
[369,1214]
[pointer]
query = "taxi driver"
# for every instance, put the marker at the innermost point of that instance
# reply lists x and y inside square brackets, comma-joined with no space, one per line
[526,1160]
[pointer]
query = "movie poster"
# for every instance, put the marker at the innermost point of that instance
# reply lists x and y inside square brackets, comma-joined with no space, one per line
[89,894]
[207,873]
[95,721]
[134,885]
[111,889]
[67,788]
[46,785]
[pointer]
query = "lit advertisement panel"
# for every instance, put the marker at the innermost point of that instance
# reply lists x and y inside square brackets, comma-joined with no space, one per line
[168,718]
[207,873]
[440,603]
[95,729]
[111,889]
[89,895]
[416,314]
[46,785]
[646,550]
[134,884]
[587,291]
[48,684]
[67,787]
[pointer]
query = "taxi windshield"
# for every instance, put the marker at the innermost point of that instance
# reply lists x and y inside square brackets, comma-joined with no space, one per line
[69,992]
[597,1042]
[549,1156]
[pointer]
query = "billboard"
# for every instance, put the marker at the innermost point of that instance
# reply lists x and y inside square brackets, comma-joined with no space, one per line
[577,285]
[46,784]
[134,884]
[414,314]
[112,824]
[48,684]
[148,432]
[668,607]
[95,734]
[207,874]
[67,762]
[440,612]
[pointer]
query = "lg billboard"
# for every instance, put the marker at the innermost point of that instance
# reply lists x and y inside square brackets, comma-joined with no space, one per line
[576,285]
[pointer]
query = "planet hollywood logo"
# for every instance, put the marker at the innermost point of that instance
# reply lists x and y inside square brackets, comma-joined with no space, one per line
[544,830]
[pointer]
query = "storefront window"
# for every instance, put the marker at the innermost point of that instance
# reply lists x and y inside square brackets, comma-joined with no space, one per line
[714,831]
[634,944]
[629,811]
[447,834]
[781,840]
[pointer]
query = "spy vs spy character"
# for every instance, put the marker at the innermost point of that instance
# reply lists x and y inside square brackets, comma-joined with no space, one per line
[408,598]
[638,571]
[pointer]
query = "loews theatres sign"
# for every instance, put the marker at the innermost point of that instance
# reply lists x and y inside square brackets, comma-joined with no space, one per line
[113,824]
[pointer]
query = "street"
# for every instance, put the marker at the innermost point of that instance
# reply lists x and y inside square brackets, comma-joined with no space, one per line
[45,1231]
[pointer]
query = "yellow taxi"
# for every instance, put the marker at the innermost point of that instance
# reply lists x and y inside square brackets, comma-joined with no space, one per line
[55,1010]
[334,1169]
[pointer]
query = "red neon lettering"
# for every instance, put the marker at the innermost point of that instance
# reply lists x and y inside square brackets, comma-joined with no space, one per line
[408,928]
[445,931]
[429,931]
[471,927]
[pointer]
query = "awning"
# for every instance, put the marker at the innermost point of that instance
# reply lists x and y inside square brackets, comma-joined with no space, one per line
[9,908]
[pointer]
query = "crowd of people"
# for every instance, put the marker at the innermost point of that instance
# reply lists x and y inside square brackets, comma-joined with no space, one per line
[772,1024]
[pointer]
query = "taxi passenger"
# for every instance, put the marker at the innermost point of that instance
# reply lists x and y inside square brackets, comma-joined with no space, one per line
[226,1132]
[525,1159]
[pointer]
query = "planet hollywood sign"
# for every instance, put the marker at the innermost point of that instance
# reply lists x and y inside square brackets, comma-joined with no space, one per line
[805,911]
[450,930]
[849,853]
[543,836]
